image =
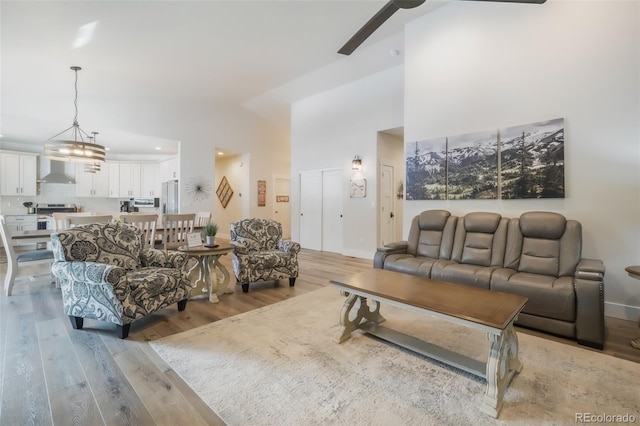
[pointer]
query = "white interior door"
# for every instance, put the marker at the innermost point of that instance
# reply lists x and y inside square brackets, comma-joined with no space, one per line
[386,222]
[332,188]
[311,210]
[282,206]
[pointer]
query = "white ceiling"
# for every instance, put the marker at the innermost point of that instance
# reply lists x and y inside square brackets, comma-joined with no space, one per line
[259,54]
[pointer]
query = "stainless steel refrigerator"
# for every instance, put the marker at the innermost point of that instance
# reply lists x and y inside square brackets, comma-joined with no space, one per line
[170,197]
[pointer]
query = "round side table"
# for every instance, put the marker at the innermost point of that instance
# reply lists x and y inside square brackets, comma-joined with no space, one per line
[207,265]
[634,272]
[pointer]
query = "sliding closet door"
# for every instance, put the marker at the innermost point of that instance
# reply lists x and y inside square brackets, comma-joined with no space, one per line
[321,194]
[332,211]
[311,210]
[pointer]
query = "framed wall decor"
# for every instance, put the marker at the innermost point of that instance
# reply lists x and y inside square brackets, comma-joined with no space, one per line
[224,192]
[358,188]
[524,161]
[262,193]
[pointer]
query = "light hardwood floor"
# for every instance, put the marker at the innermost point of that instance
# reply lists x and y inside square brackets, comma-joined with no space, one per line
[52,374]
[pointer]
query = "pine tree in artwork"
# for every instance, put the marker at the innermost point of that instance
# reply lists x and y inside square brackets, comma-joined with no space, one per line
[416,176]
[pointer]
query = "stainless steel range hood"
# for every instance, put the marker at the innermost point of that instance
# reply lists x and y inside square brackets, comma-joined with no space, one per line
[57,174]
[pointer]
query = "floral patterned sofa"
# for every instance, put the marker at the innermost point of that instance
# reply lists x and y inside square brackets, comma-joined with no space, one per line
[107,274]
[260,253]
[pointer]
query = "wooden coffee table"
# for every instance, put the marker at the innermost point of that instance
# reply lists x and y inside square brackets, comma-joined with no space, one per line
[491,311]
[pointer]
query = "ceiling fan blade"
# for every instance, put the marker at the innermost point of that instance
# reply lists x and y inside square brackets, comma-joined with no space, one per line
[367,29]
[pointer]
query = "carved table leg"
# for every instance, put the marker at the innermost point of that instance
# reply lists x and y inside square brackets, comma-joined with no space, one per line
[364,314]
[198,268]
[502,365]
[223,285]
[210,277]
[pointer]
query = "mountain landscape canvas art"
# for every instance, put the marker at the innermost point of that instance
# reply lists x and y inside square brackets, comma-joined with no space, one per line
[427,170]
[532,160]
[524,161]
[473,166]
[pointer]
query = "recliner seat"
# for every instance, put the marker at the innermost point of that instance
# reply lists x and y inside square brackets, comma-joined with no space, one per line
[537,255]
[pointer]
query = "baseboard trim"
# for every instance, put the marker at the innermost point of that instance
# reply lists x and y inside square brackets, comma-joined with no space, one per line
[358,253]
[619,310]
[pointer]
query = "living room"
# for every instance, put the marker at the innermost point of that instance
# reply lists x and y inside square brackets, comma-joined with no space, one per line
[465,67]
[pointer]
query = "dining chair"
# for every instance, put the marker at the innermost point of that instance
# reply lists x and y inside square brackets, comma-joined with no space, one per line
[202,218]
[60,219]
[175,228]
[14,261]
[144,222]
[73,221]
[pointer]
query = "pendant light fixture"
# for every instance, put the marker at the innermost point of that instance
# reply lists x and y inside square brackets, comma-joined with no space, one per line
[74,149]
[92,167]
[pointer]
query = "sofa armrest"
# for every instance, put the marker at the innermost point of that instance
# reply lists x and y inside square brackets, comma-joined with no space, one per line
[160,258]
[589,287]
[91,273]
[386,250]
[590,269]
[397,247]
[288,246]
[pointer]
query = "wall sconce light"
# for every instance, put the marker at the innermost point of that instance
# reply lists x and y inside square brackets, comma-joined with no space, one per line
[356,164]
[400,193]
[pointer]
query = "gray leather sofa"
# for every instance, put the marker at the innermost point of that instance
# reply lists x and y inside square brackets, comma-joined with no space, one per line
[537,255]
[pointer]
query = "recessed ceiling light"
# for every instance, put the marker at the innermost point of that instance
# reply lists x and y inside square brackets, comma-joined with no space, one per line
[220,153]
[108,149]
[158,148]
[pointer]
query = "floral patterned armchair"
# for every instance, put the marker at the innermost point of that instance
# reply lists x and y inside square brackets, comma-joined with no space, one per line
[106,273]
[260,253]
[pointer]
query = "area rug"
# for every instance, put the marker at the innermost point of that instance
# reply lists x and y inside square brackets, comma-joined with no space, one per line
[280,365]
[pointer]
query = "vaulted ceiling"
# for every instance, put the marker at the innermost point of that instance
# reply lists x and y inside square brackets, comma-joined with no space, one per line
[259,54]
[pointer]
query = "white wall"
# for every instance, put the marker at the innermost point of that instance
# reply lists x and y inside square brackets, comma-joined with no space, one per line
[201,128]
[236,170]
[328,130]
[474,66]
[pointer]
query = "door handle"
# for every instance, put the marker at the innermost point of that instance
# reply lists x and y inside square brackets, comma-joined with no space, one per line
[392,215]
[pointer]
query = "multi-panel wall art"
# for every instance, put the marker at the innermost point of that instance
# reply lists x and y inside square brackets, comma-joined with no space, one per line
[525,161]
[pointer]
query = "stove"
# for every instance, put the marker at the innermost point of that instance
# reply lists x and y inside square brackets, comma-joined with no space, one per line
[44,212]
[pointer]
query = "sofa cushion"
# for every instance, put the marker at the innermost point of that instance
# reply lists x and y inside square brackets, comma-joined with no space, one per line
[549,296]
[149,282]
[547,225]
[453,272]
[482,222]
[431,234]
[480,239]
[477,249]
[429,244]
[409,264]
[117,244]
[540,256]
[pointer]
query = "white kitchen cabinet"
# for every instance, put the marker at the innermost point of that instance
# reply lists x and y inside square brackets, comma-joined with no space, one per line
[23,222]
[170,170]
[18,173]
[92,184]
[150,183]
[129,180]
[114,180]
